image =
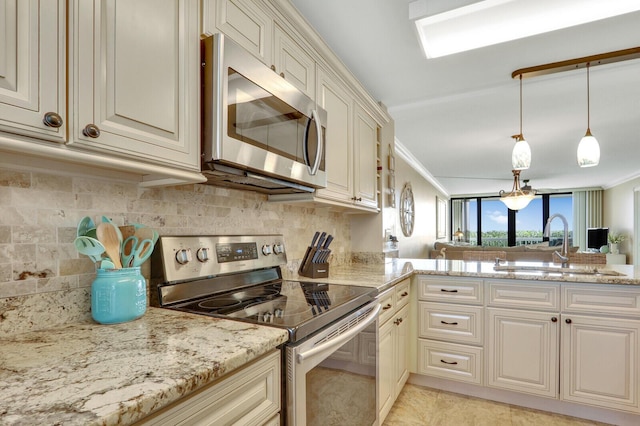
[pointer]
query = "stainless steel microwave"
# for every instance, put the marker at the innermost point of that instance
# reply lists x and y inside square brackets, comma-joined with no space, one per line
[259,132]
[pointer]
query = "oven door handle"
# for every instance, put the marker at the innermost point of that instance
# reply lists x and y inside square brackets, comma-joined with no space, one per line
[341,339]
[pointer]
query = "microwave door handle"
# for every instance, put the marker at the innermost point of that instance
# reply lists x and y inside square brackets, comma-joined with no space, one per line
[320,145]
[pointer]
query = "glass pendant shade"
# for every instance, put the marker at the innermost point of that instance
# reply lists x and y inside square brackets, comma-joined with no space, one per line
[588,148]
[588,151]
[521,154]
[518,198]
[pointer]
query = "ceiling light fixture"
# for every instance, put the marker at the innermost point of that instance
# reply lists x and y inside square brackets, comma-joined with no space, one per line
[588,148]
[588,154]
[518,198]
[521,154]
[489,22]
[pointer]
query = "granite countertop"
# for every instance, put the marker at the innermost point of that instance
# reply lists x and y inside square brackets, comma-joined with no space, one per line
[87,373]
[392,271]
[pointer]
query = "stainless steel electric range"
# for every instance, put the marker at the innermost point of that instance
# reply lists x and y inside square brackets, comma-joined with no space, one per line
[332,328]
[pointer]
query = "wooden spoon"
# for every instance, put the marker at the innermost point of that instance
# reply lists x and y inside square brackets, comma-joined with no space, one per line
[108,236]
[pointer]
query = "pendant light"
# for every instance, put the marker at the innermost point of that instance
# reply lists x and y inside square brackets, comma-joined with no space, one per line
[518,198]
[588,148]
[521,154]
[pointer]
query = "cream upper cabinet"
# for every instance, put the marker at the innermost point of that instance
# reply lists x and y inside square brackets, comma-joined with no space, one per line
[244,21]
[293,63]
[351,151]
[251,25]
[33,68]
[136,79]
[338,102]
[365,149]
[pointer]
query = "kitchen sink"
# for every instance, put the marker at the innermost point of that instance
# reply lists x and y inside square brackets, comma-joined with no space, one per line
[556,270]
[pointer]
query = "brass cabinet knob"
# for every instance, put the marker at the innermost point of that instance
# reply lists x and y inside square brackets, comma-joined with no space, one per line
[52,119]
[91,131]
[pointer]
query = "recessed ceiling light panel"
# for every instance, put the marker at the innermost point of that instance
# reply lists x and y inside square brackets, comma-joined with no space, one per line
[490,22]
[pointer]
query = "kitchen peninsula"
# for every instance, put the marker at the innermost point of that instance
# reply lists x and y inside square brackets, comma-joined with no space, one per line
[93,374]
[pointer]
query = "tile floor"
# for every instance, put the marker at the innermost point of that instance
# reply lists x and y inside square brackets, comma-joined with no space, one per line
[418,405]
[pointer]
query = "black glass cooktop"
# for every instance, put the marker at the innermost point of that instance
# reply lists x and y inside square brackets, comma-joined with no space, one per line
[300,307]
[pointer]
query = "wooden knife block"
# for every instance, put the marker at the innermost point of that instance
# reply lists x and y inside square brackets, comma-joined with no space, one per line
[314,270]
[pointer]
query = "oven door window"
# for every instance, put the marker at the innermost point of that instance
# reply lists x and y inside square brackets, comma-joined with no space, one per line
[342,388]
[259,118]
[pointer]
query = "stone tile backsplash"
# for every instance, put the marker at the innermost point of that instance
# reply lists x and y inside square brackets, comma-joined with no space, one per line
[40,267]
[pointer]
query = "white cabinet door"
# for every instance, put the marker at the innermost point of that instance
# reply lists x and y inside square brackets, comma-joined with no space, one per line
[365,152]
[136,66]
[600,361]
[338,102]
[401,365]
[293,63]
[386,380]
[522,351]
[33,67]
[245,22]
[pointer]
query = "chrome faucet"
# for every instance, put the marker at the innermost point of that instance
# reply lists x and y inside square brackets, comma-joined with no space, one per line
[564,256]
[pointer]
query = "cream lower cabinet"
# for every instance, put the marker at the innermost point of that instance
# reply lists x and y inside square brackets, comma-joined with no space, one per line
[522,345]
[571,342]
[522,351]
[135,78]
[33,68]
[450,328]
[250,396]
[393,341]
[600,353]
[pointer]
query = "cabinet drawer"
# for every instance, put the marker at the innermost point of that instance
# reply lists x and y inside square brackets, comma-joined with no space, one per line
[450,361]
[456,323]
[616,300]
[527,294]
[456,290]
[250,396]
[403,293]
[387,305]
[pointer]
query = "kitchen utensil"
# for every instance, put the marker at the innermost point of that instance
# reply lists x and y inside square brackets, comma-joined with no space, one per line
[85,224]
[107,220]
[146,234]
[108,236]
[127,231]
[318,249]
[135,251]
[106,264]
[89,247]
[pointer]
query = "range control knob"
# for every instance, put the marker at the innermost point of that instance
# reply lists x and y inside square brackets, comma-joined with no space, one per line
[266,249]
[183,256]
[203,254]
[278,248]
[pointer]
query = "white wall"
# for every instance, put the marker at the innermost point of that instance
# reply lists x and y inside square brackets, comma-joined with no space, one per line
[618,214]
[424,193]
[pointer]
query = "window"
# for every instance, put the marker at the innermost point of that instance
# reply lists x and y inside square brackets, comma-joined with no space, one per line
[486,221]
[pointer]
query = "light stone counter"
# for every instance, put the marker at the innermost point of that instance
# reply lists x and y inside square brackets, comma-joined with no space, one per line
[383,276]
[92,374]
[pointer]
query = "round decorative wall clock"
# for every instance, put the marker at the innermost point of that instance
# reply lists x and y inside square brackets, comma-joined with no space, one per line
[407,210]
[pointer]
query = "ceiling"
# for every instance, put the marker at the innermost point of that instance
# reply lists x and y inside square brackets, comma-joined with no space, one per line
[456,114]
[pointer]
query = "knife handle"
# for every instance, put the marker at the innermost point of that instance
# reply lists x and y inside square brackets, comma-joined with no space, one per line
[327,242]
[315,238]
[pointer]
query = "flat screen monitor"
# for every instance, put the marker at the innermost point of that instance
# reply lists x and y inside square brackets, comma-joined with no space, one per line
[597,237]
